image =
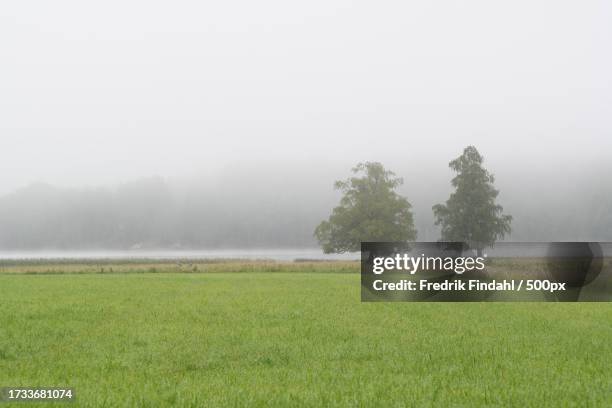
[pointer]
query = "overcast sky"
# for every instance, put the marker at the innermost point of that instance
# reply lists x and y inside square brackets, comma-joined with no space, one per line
[103,92]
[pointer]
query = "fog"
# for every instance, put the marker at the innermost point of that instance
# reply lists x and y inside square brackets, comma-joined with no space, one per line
[189,125]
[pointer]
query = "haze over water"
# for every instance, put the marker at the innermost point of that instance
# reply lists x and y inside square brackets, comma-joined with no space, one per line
[199,126]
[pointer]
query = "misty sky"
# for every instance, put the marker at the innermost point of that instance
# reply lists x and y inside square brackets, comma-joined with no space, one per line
[100,93]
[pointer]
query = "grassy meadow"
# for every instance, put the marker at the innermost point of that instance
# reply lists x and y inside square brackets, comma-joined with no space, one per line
[286,334]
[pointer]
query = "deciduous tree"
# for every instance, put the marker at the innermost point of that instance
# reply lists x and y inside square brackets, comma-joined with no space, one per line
[471,214]
[370,210]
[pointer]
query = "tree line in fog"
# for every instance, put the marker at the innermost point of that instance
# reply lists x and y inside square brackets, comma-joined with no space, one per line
[274,208]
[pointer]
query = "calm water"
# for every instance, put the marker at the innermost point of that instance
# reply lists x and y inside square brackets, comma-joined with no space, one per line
[506,249]
[271,254]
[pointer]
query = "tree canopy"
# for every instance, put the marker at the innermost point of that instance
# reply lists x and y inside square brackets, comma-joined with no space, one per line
[369,210]
[471,214]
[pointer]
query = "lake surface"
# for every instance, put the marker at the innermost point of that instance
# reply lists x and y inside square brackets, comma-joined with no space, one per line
[270,254]
[503,249]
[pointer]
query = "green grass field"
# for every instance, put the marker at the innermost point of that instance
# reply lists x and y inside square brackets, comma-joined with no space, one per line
[292,338]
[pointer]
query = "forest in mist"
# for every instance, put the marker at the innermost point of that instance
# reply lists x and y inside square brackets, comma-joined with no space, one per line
[279,207]
[223,125]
